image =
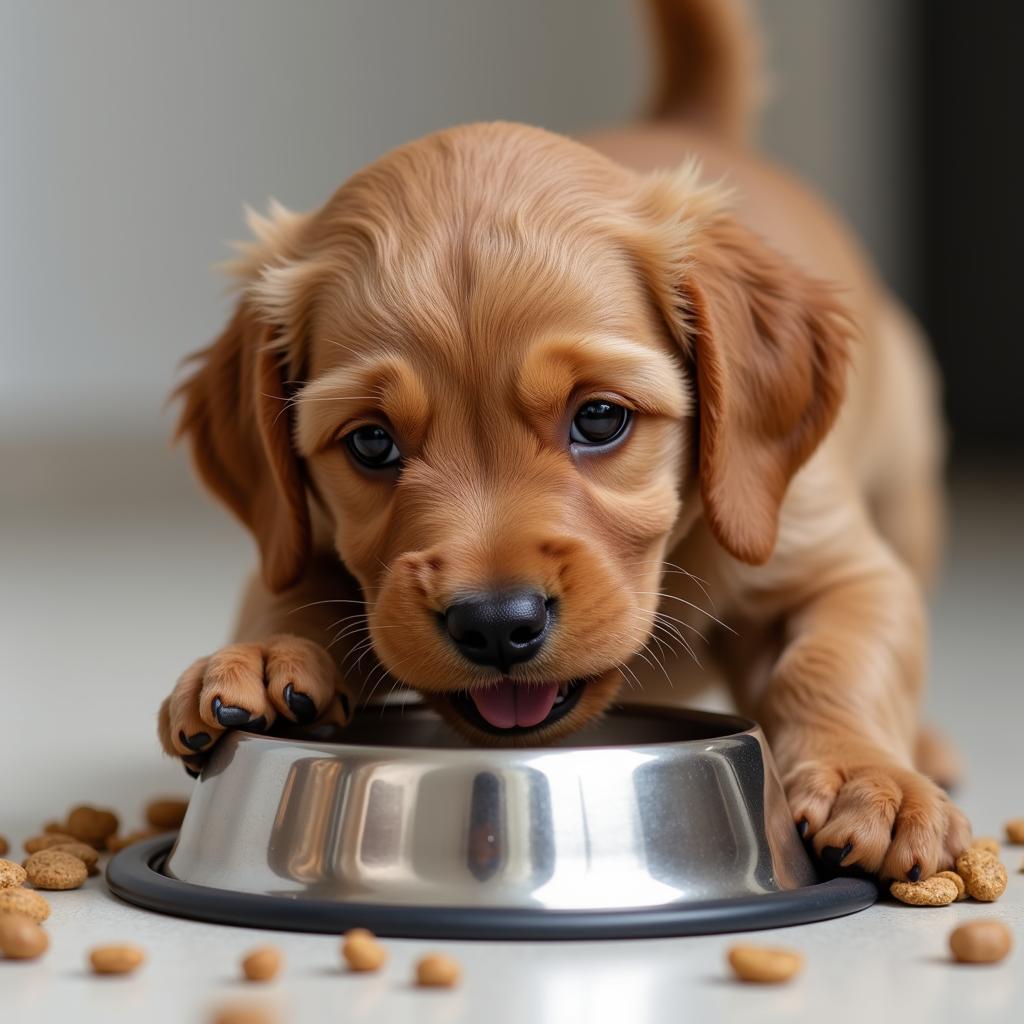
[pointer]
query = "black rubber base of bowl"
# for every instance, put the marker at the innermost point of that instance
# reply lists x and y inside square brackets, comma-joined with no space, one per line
[136,875]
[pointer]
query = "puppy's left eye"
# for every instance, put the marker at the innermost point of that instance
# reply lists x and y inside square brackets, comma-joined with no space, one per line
[598,423]
[373,446]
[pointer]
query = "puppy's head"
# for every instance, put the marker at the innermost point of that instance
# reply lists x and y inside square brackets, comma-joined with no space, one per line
[504,375]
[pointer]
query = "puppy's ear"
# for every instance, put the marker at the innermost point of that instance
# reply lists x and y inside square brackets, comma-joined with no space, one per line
[236,416]
[769,345]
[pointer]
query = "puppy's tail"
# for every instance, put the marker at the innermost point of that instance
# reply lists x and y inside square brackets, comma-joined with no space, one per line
[708,65]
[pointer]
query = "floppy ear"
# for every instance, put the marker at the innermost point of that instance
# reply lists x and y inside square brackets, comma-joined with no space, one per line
[769,347]
[237,418]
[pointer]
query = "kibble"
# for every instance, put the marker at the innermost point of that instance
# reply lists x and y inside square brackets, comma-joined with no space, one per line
[24,901]
[21,938]
[262,964]
[4,846]
[11,874]
[166,813]
[931,892]
[47,840]
[116,959]
[987,843]
[983,874]
[980,942]
[55,826]
[241,1014]
[765,965]
[83,851]
[91,825]
[961,889]
[55,869]
[362,951]
[117,843]
[437,971]
[1014,831]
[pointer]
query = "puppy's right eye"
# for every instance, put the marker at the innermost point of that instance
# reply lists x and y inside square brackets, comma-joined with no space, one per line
[373,447]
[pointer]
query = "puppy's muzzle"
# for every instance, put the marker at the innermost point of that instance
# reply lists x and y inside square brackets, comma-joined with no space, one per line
[500,629]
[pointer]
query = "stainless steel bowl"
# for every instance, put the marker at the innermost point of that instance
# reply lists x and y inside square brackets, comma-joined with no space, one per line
[653,821]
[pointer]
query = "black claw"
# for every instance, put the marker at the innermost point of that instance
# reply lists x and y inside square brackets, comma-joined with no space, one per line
[301,706]
[256,725]
[803,828]
[191,773]
[230,718]
[196,741]
[343,700]
[914,874]
[834,856]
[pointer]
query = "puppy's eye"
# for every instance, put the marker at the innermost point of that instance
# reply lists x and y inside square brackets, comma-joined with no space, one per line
[598,423]
[373,446]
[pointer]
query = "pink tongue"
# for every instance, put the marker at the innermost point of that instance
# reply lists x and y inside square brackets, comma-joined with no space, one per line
[509,704]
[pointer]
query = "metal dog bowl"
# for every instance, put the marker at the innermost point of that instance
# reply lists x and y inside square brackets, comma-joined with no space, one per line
[653,822]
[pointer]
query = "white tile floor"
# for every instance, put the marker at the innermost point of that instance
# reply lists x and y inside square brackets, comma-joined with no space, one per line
[113,578]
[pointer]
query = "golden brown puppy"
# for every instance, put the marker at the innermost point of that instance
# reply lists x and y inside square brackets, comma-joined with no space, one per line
[488,409]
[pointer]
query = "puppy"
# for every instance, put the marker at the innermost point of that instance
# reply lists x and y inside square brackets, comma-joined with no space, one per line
[518,422]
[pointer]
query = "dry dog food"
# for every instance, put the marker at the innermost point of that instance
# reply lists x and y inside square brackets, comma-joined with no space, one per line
[91,825]
[48,839]
[437,971]
[55,869]
[55,826]
[166,813]
[961,889]
[11,874]
[21,938]
[765,964]
[980,942]
[241,1014]
[932,892]
[24,901]
[4,847]
[362,951]
[262,964]
[983,875]
[116,959]
[986,843]
[1014,831]
[83,851]
[117,843]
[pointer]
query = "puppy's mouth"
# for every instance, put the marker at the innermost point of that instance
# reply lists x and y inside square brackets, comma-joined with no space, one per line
[510,708]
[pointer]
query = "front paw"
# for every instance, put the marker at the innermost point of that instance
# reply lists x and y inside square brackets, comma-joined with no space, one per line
[888,820]
[248,687]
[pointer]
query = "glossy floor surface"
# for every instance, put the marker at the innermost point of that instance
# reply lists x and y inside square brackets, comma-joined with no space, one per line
[109,590]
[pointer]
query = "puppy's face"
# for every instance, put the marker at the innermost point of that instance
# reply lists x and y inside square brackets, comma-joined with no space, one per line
[496,422]
[501,345]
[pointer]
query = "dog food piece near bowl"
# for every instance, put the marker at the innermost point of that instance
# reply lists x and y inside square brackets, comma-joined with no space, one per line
[1014,831]
[166,813]
[952,876]
[263,964]
[932,892]
[4,846]
[55,869]
[988,843]
[361,950]
[764,965]
[91,825]
[24,901]
[116,959]
[11,874]
[21,938]
[984,875]
[980,942]
[48,840]
[437,971]
[651,822]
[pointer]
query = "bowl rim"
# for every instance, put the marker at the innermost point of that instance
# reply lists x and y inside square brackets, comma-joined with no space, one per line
[731,726]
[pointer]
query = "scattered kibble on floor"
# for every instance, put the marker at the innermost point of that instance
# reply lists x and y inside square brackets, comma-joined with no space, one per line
[262,964]
[437,971]
[765,965]
[980,942]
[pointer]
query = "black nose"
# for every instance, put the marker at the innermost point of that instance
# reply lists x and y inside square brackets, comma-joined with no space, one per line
[499,629]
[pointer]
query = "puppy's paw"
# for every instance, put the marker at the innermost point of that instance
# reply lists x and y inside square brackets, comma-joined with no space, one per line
[889,820]
[248,687]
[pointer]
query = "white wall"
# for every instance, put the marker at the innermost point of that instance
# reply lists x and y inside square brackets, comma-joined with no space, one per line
[131,132]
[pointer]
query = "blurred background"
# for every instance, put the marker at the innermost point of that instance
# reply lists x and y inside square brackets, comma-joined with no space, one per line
[134,130]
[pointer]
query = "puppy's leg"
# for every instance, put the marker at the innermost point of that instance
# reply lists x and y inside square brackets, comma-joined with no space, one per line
[283,666]
[840,703]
